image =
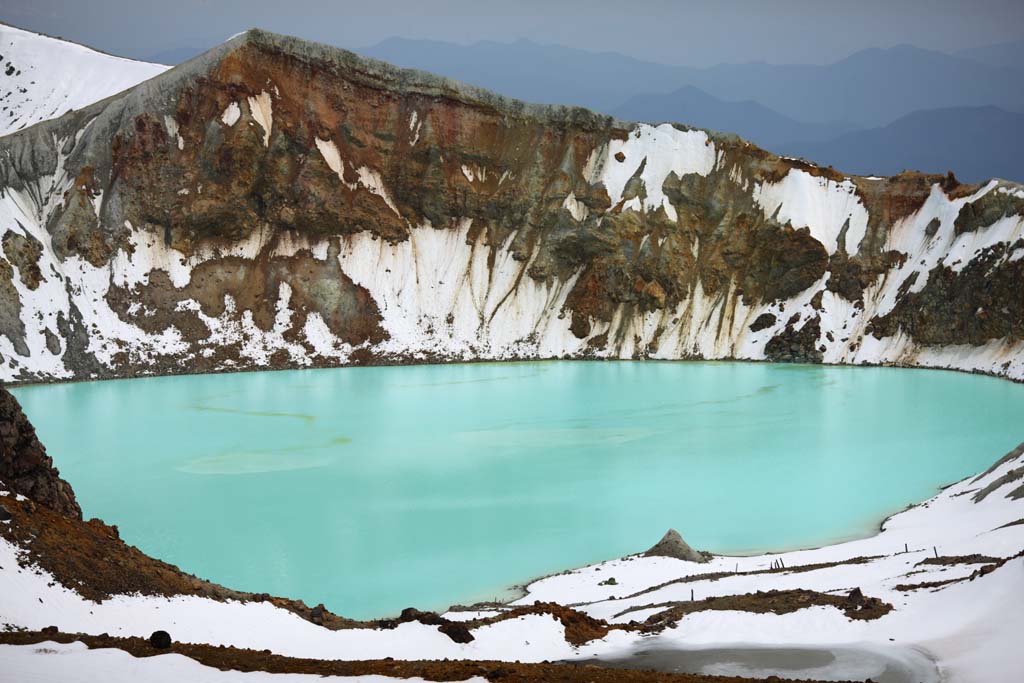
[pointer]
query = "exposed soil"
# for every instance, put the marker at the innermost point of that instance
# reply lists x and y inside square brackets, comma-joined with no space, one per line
[230,658]
[714,576]
[855,606]
[948,560]
[989,565]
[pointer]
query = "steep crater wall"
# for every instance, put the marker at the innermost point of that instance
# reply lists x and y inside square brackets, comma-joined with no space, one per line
[276,203]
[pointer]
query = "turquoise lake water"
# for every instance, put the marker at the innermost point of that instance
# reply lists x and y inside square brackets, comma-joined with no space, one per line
[374,489]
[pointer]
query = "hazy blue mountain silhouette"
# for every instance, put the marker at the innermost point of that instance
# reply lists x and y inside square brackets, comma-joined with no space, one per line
[1010,55]
[870,88]
[529,71]
[748,119]
[977,143]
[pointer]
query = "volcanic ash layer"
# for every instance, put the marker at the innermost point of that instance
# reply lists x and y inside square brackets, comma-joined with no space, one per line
[276,203]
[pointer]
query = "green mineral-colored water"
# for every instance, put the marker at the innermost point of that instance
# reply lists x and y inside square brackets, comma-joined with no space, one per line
[373,489]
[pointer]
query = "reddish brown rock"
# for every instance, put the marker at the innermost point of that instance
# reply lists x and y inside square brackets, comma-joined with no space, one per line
[25,467]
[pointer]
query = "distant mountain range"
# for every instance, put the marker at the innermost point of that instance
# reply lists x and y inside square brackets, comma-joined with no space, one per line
[549,74]
[750,120]
[977,143]
[870,88]
[877,111]
[1004,54]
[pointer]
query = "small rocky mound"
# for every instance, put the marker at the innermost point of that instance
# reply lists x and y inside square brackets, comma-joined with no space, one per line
[673,545]
[25,467]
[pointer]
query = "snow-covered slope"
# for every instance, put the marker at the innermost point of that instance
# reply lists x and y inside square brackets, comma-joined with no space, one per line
[276,203]
[42,78]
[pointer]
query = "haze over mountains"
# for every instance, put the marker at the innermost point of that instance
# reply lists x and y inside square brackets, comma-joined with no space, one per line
[976,142]
[878,111]
[784,108]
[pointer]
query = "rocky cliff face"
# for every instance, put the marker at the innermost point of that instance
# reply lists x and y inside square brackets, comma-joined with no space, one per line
[276,203]
[25,468]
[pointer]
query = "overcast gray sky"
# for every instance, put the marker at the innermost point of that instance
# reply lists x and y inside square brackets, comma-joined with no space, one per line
[681,32]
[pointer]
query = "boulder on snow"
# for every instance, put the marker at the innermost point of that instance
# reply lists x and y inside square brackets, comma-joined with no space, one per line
[161,640]
[673,545]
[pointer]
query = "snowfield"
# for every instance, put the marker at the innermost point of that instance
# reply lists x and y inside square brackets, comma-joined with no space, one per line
[42,78]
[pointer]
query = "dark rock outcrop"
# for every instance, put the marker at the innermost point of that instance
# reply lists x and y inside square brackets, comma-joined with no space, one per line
[25,467]
[673,545]
[796,345]
[160,640]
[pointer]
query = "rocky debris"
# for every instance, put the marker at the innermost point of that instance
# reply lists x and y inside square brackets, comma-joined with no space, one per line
[985,211]
[1011,477]
[24,252]
[796,345]
[457,631]
[161,640]
[949,560]
[972,303]
[849,277]
[673,545]
[316,615]
[854,606]
[988,565]
[25,467]
[580,628]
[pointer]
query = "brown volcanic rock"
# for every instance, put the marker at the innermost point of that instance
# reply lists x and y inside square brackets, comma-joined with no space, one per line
[796,345]
[980,302]
[25,467]
[327,148]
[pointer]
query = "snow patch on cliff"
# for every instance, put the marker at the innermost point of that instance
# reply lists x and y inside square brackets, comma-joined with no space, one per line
[231,114]
[666,150]
[368,178]
[577,209]
[823,206]
[262,111]
[439,294]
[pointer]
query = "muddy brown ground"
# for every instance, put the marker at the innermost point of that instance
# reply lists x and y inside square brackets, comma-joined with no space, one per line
[230,658]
